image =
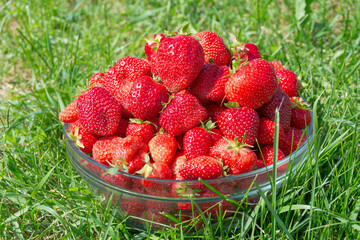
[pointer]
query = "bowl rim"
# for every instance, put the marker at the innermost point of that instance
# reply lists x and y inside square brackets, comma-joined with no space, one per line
[299,151]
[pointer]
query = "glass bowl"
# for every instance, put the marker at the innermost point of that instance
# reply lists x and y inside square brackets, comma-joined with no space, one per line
[143,201]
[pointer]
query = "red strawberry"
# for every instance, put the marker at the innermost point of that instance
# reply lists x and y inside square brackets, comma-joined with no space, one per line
[276,65]
[252,51]
[146,97]
[213,208]
[267,132]
[243,52]
[138,160]
[117,179]
[69,114]
[237,157]
[215,135]
[154,210]
[300,114]
[122,94]
[214,110]
[214,48]
[210,83]
[177,61]
[163,147]
[180,141]
[253,85]
[152,45]
[96,80]
[204,167]
[143,129]
[82,138]
[131,68]
[236,122]
[176,164]
[121,131]
[102,149]
[158,170]
[127,69]
[197,142]
[279,100]
[99,112]
[110,82]
[288,82]
[181,114]
[266,156]
[127,148]
[293,139]
[133,206]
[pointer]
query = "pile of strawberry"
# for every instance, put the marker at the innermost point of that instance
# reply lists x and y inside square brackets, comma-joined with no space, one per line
[192,109]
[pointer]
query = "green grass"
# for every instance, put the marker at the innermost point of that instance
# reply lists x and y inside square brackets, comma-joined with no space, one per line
[50,48]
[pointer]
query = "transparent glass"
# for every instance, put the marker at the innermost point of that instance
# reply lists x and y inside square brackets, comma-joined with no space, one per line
[143,199]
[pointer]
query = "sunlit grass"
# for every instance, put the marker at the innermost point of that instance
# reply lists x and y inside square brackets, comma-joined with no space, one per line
[49,49]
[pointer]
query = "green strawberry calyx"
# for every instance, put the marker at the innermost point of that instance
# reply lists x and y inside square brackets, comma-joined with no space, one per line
[208,125]
[299,103]
[236,145]
[147,168]
[76,137]
[232,105]
[186,191]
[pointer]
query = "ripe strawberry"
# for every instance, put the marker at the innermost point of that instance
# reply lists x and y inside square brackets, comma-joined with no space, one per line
[138,160]
[177,61]
[236,122]
[122,94]
[152,45]
[288,82]
[253,85]
[279,100]
[215,135]
[204,167]
[69,114]
[131,68]
[82,138]
[180,141]
[214,110]
[266,156]
[110,82]
[126,69]
[96,80]
[276,65]
[99,112]
[146,97]
[181,114]
[210,83]
[252,51]
[300,114]
[117,179]
[176,164]
[243,52]
[121,131]
[158,170]
[238,158]
[163,147]
[197,142]
[133,206]
[102,149]
[267,132]
[212,208]
[293,139]
[154,210]
[126,148]
[143,129]
[214,48]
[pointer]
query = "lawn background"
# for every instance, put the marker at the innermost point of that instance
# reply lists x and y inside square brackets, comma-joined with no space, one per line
[49,49]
